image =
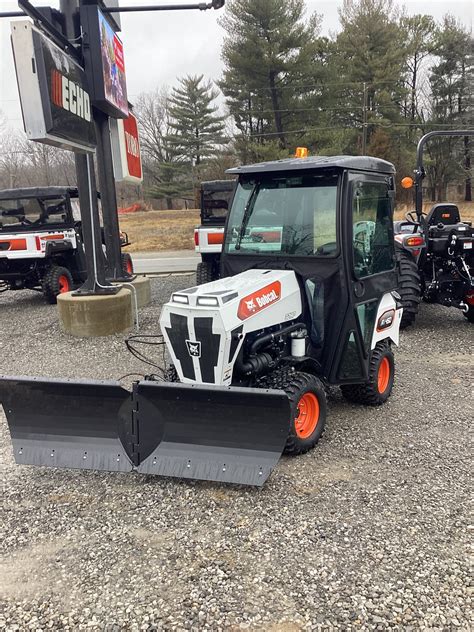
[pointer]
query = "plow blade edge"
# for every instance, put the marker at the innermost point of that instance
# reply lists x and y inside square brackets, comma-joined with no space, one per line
[230,435]
[65,423]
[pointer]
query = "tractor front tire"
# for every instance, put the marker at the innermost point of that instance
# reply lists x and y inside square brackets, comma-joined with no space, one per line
[378,389]
[57,280]
[308,407]
[127,263]
[409,287]
[308,412]
[205,273]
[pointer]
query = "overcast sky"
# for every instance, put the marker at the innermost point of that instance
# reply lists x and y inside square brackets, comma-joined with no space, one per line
[162,46]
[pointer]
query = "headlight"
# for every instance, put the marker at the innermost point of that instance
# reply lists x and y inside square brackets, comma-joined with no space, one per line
[180,298]
[208,301]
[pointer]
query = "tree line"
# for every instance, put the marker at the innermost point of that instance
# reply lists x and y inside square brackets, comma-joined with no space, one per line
[374,87]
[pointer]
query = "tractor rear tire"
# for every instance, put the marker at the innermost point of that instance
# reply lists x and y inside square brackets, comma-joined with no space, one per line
[378,389]
[409,287]
[127,263]
[205,273]
[57,280]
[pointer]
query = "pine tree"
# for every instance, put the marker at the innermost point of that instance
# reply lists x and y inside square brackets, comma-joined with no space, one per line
[197,130]
[451,81]
[268,51]
[167,175]
[370,58]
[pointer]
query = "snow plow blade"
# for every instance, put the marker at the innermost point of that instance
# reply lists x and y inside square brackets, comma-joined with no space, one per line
[66,423]
[212,433]
[229,435]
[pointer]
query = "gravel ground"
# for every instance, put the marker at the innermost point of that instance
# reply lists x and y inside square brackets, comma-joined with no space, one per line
[368,531]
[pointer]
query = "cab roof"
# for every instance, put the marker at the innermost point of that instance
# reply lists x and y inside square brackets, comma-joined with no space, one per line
[40,192]
[358,163]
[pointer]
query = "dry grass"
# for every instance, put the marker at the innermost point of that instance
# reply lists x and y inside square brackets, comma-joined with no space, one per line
[173,230]
[160,230]
[465,208]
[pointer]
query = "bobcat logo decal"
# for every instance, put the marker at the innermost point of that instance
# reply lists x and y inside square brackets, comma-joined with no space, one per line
[194,348]
[255,302]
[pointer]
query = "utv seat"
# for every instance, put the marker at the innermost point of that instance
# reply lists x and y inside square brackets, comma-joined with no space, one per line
[447,214]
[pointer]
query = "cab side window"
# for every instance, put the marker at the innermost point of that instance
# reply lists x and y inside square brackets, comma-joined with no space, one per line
[372,230]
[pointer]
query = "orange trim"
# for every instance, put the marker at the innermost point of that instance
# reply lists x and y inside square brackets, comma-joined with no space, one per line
[307,417]
[15,244]
[47,237]
[214,239]
[383,377]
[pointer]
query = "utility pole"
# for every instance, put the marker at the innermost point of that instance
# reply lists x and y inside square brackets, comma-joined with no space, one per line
[365,122]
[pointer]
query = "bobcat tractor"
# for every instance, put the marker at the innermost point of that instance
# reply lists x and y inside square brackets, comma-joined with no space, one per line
[307,299]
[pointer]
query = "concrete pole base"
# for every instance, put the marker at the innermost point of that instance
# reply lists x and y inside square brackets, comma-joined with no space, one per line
[142,287]
[90,316]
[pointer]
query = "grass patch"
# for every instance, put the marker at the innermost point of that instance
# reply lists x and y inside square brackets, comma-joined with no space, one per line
[160,230]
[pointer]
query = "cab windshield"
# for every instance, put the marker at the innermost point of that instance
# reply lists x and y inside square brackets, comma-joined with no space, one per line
[24,213]
[284,215]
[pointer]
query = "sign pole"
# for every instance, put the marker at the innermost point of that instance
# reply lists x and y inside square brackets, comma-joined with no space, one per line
[96,282]
[108,198]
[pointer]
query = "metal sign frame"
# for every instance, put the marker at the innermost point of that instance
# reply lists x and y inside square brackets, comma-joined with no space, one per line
[53,91]
[94,23]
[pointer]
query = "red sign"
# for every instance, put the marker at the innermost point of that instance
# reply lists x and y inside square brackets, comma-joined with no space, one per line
[118,52]
[255,302]
[132,147]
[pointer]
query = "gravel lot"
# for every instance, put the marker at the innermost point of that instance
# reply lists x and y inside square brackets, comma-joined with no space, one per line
[368,531]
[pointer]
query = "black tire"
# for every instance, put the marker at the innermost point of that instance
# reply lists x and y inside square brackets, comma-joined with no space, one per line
[57,280]
[127,263]
[297,384]
[369,393]
[205,273]
[469,314]
[409,287]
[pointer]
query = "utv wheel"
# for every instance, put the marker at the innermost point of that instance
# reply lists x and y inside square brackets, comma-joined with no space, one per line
[308,412]
[205,273]
[127,263]
[378,389]
[57,280]
[409,287]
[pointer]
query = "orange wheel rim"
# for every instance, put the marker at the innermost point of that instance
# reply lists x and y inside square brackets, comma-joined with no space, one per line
[384,375]
[307,415]
[63,284]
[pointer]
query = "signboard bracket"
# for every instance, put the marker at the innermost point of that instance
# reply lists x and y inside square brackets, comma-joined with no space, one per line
[44,24]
